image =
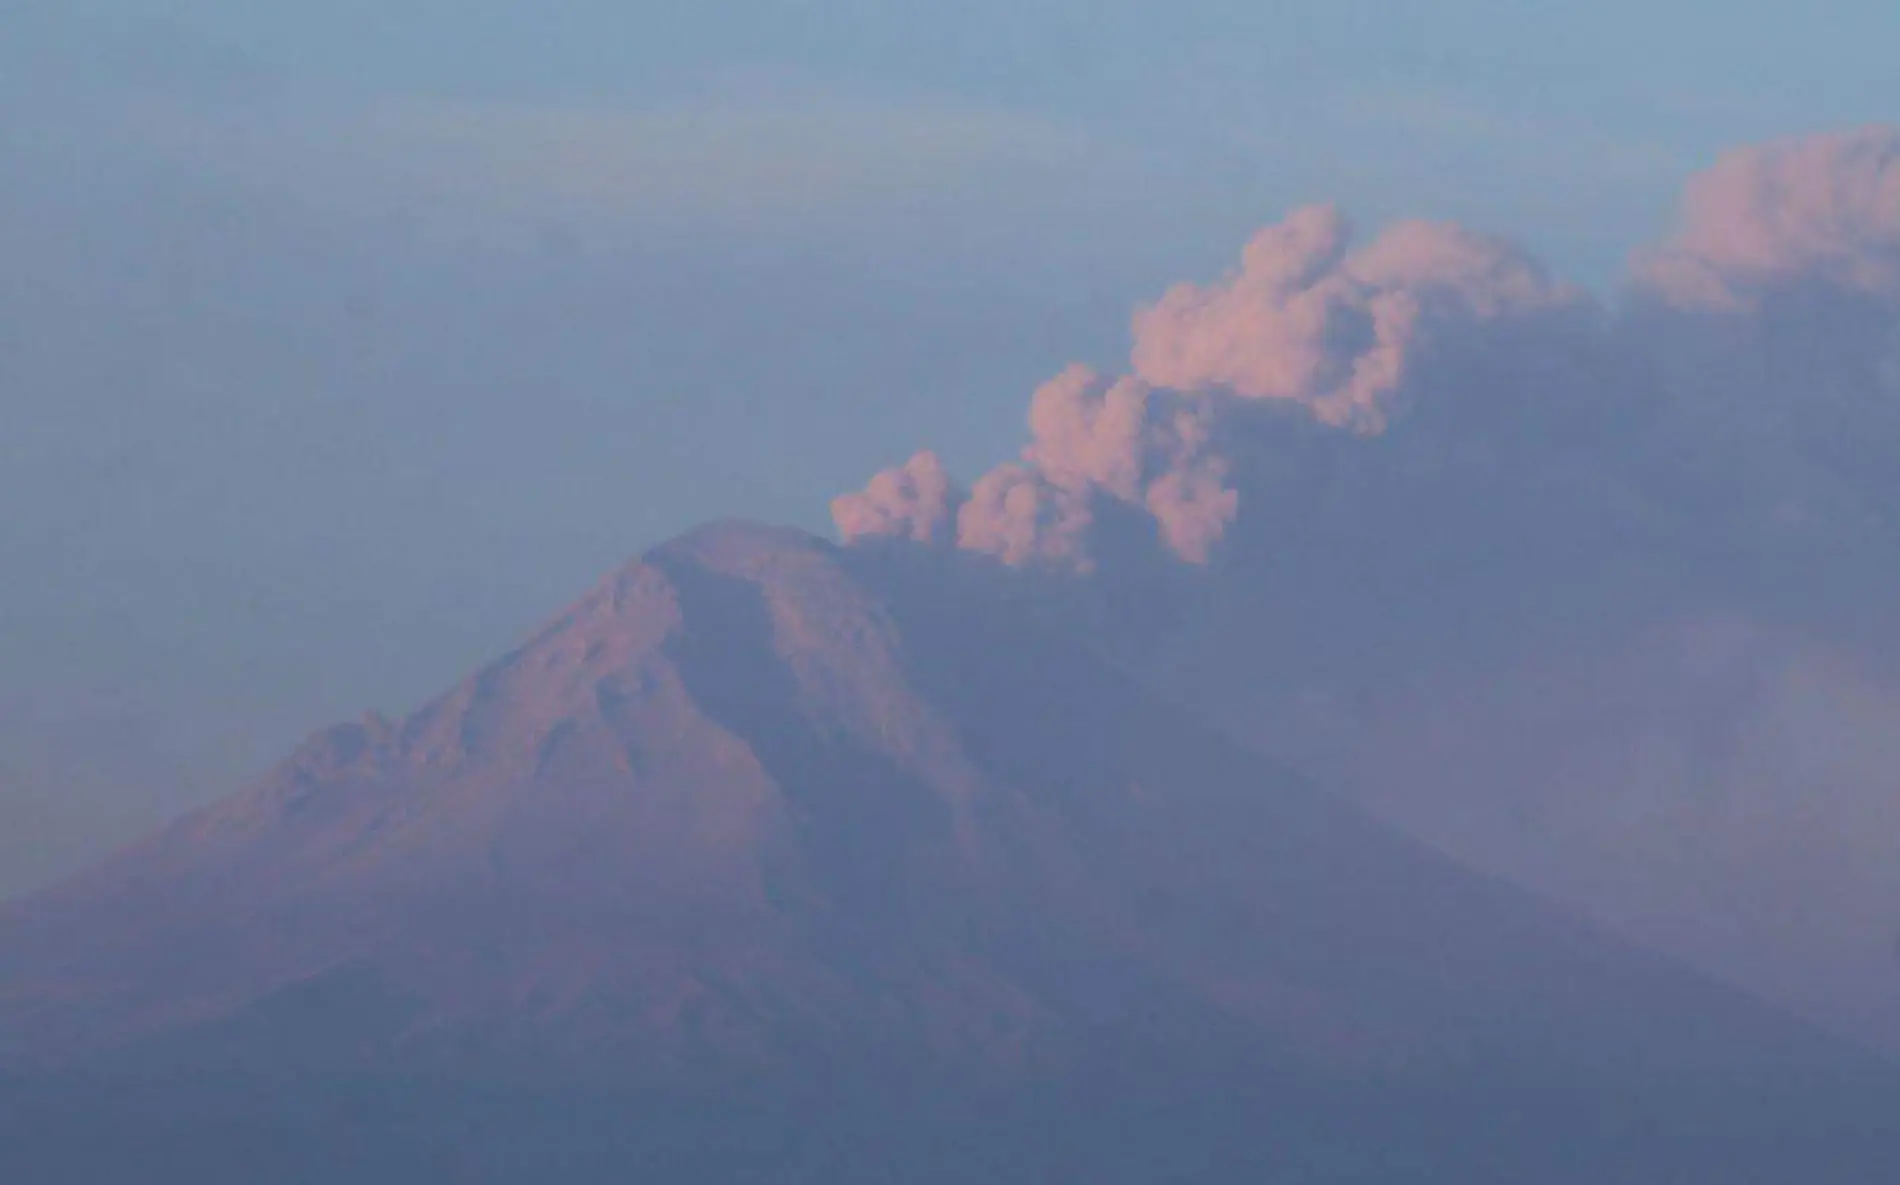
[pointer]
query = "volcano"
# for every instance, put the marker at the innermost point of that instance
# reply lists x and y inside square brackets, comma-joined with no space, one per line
[770,861]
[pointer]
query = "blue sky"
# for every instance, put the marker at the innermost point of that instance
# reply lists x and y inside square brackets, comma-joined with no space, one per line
[340,342]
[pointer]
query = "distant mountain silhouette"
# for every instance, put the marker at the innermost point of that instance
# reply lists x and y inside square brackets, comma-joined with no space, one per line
[767,861]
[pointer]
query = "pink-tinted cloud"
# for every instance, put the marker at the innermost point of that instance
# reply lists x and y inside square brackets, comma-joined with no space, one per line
[1193,508]
[1305,319]
[1771,322]
[916,500]
[1090,433]
[1822,209]
[1482,369]
[1341,331]
[1092,438]
[1021,518]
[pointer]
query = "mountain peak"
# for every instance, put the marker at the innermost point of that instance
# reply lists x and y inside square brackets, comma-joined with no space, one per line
[731,545]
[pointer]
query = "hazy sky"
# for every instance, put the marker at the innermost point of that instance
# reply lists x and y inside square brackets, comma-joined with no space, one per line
[340,342]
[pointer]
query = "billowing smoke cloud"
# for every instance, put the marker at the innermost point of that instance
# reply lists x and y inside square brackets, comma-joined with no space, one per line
[1433,323]
[1598,596]
[1337,330]
[1770,321]
[1092,438]
[1822,210]
[914,501]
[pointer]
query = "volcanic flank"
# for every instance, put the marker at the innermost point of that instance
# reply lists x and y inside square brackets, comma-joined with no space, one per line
[756,805]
